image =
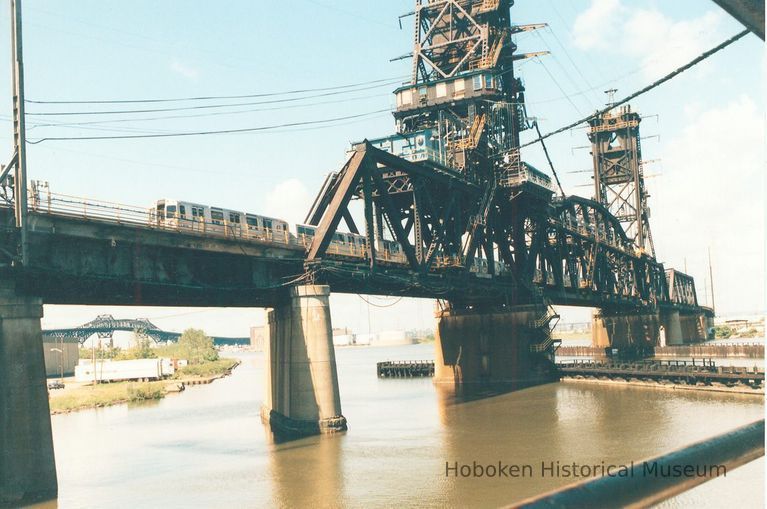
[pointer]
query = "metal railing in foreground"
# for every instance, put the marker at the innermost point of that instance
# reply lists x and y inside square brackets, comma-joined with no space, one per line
[727,451]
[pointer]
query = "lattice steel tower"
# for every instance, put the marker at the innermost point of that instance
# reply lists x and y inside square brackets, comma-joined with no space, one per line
[463,86]
[618,175]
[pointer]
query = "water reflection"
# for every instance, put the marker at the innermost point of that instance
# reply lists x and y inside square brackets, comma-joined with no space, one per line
[208,447]
[313,464]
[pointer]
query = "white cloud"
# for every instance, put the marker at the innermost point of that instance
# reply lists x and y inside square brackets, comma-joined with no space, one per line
[593,27]
[289,200]
[646,34]
[712,194]
[184,70]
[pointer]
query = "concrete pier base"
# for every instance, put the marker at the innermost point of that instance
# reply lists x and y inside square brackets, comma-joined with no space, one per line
[302,394]
[27,465]
[476,347]
[625,330]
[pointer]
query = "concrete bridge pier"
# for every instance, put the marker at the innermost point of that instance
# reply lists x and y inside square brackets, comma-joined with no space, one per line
[695,327]
[302,396]
[627,330]
[490,347]
[672,328]
[27,465]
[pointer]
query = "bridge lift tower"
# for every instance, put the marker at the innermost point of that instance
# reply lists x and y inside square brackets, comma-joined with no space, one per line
[459,119]
[618,172]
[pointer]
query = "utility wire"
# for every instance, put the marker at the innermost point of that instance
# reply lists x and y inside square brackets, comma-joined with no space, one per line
[203,133]
[379,305]
[215,97]
[564,94]
[202,107]
[649,87]
[199,115]
[545,151]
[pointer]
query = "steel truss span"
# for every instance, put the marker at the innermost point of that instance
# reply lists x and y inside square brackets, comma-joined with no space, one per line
[567,250]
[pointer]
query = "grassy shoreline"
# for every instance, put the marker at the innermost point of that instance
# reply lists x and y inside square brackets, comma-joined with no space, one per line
[109,394]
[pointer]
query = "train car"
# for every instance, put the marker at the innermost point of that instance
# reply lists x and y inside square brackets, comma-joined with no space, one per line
[180,215]
[350,244]
[267,228]
[188,216]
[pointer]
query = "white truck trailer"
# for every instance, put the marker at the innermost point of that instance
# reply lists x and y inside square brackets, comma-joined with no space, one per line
[115,371]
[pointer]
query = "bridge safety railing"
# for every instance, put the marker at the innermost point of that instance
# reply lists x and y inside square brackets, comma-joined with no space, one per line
[46,202]
[707,459]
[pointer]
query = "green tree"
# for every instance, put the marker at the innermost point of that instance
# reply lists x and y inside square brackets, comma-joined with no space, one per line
[197,346]
[141,349]
[722,332]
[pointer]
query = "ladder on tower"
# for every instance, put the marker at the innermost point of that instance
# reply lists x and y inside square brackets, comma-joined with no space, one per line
[417,40]
[543,328]
[471,141]
[490,59]
[480,218]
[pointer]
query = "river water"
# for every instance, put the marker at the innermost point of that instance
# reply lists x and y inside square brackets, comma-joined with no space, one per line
[207,446]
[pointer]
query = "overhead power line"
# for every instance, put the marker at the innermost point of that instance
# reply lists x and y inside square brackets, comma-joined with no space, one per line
[649,87]
[51,123]
[201,107]
[204,133]
[216,97]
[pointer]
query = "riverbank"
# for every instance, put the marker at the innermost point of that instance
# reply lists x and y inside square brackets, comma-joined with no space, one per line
[75,397]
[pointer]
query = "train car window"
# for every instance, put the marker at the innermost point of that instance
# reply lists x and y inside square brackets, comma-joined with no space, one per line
[216,216]
[252,221]
[197,212]
[305,230]
[234,218]
[268,224]
[182,210]
[170,211]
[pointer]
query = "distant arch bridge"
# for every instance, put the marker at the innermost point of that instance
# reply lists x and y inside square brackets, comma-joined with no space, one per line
[104,326]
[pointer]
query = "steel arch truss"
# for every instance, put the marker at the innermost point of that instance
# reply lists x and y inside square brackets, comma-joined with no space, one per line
[592,259]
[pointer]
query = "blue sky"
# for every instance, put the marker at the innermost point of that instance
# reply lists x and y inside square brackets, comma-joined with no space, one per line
[707,189]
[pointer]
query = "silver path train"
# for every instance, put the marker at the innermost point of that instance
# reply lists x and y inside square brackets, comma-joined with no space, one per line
[194,217]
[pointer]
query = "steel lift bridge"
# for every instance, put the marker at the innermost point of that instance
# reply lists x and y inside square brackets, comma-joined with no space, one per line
[481,228]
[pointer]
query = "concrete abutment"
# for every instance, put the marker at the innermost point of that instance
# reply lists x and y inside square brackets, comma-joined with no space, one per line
[302,395]
[27,464]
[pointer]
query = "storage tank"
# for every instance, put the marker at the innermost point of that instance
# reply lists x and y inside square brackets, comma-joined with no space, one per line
[364,339]
[343,340]
[393,337]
